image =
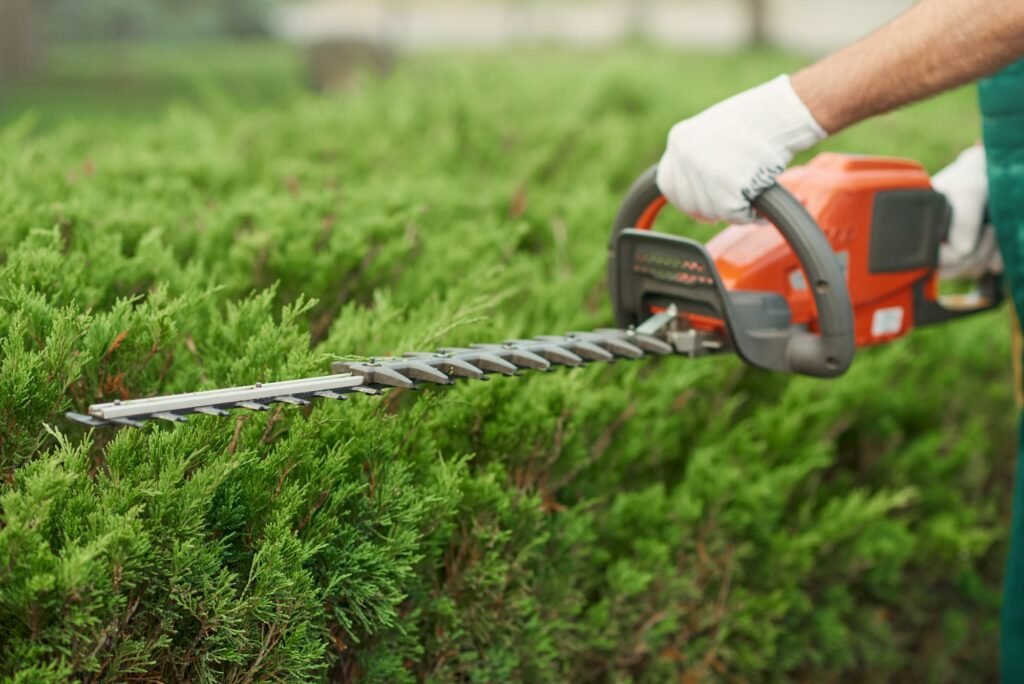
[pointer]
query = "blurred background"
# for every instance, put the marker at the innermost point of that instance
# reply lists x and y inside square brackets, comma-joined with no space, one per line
[125,57]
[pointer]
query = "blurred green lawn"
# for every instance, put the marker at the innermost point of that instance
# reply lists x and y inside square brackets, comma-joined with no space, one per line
[130,81]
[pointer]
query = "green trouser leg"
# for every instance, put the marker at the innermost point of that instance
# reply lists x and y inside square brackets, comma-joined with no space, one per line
[1002,106]
[1012,641]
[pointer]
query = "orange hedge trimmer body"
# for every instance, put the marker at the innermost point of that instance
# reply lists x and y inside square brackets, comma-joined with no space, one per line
[884,222]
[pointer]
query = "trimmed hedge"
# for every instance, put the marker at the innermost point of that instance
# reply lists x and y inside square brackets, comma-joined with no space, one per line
[665,520]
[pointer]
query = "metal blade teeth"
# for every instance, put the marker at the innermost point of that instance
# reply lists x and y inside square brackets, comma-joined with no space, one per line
[252,406]
[421,371]
[409,371]
[449,364]
[212,411]
[615,345]
[128,422]
[294,401]
[646,343]
[329,394]
[170,417]
[515,354]
[374,373]
[551,352]
[85,419]
[581,347]
[482,359]
[462,369]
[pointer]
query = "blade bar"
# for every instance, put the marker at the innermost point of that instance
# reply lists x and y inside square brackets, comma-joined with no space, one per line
[232,396]
[408,372]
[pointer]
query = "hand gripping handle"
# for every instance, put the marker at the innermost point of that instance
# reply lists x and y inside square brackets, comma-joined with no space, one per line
[827,353]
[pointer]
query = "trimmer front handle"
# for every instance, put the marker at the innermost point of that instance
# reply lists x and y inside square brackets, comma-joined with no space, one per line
[650,272]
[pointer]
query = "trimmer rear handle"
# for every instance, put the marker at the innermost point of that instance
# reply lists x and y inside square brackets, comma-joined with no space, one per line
[826,353]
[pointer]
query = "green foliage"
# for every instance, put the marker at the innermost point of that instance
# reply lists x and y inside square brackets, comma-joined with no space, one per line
[666,520]
[112,84]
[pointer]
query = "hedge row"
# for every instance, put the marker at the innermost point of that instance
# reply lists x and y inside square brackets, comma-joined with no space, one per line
[665,520]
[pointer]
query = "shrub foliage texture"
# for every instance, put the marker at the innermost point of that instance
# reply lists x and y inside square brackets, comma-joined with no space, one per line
[670,520]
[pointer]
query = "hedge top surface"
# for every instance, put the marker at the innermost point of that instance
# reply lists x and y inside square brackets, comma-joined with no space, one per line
[670,519]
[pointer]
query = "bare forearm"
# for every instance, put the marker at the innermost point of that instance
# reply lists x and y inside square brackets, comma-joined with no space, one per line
[936,45]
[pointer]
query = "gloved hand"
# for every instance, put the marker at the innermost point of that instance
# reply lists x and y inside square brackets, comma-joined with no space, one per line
[970,250]
[719,160]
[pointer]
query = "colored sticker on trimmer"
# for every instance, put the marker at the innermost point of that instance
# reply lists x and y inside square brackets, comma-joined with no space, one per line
[887,321]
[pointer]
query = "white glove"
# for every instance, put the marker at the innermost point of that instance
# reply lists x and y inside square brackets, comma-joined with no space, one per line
[970,251]
[719,160]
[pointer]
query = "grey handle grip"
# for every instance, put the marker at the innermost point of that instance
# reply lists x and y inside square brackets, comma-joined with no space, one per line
[824,355]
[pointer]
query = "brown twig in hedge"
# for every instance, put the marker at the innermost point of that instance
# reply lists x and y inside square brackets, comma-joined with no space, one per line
[599,448]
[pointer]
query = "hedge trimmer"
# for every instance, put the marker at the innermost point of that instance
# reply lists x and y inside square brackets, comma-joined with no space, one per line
[852,263]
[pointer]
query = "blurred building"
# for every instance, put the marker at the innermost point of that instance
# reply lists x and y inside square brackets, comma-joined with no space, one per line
[810,26]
